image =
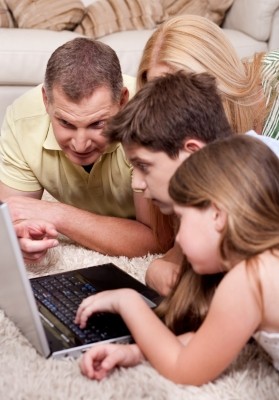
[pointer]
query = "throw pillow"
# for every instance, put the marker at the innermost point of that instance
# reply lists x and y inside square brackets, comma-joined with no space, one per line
[214,10]
[6,20]
[47,14]
[107,16]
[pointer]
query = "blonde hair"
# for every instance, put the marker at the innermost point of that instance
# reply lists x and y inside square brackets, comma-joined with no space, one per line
[196,44]
[240,176]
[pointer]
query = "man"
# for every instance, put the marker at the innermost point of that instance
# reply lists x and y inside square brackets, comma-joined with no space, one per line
[52,140]
[164,123]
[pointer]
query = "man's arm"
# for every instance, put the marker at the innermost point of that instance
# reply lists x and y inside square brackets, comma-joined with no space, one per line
[107,235]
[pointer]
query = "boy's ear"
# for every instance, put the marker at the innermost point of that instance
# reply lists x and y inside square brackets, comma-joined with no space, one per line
[124,97]
[192,145]
[220,218]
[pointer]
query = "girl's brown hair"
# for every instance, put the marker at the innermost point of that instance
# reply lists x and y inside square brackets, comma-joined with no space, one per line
[240,176]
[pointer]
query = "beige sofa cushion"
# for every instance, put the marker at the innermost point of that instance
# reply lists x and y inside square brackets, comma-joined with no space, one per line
[46,14]
[24,54]
[261,14]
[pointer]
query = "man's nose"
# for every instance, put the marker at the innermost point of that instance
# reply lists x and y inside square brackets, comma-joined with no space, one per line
[81,142]
[138,182]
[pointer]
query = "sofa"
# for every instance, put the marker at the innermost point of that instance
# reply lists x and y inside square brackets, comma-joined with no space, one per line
[251,25]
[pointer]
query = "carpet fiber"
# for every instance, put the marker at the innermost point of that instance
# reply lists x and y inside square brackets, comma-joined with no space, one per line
[26,375]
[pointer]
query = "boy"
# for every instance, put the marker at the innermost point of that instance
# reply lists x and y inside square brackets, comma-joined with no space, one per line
[164,123]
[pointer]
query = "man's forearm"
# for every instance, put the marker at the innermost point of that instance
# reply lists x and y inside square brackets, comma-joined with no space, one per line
[107,235]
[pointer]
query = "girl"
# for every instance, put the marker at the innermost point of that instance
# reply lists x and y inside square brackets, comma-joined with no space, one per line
[226,196]
[249,88]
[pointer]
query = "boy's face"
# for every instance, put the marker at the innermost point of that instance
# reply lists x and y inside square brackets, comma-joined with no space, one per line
[152,171]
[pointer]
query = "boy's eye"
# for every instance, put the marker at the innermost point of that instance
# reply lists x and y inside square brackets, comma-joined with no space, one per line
[142,167]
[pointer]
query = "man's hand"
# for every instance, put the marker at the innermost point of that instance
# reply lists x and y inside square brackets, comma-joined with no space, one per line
[35,238]
[103,233]
[100,360]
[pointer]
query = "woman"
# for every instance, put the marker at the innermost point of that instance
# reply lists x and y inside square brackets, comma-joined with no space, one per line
[249,88]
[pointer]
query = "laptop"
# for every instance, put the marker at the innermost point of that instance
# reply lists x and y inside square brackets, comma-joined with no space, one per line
[43,308]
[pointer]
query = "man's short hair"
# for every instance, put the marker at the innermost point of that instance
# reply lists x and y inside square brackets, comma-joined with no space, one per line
[80,66]
[170,109]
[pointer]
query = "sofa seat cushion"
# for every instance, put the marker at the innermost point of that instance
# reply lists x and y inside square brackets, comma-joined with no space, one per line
[30,49]
[129,47]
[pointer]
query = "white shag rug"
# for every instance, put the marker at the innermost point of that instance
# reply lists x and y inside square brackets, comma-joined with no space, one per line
[25,375]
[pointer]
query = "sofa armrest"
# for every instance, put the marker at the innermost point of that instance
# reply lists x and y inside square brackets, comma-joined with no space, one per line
[252,17]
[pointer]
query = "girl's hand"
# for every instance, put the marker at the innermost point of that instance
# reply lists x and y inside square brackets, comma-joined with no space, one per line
[108,301]
[100,360]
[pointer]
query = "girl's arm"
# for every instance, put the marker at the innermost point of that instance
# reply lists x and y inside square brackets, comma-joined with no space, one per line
[233,317]
[100,360]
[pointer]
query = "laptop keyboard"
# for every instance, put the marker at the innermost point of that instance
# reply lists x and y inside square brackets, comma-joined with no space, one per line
[62,294]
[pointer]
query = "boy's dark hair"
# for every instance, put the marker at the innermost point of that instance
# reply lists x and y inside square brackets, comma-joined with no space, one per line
[170,109]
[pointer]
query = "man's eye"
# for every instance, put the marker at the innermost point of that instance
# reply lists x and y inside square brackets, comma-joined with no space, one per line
[65,123]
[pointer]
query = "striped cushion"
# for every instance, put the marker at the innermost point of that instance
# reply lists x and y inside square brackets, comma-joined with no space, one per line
[6,20]
[47,14]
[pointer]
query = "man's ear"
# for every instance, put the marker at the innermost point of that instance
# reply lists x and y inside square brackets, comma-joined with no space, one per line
[220,218]
[45,98]
[192,145]
[124,97]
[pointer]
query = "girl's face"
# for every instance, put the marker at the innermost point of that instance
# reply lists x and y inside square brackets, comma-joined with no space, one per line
[199,237]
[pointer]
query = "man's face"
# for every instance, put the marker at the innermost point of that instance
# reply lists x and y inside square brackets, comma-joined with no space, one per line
[152,171]
[78,127]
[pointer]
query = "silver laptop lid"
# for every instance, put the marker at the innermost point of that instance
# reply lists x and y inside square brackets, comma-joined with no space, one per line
[16,296]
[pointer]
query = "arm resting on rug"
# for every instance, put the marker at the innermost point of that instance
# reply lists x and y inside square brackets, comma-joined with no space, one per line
[99,361]
[210,350]
[105,234]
